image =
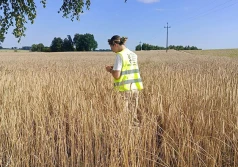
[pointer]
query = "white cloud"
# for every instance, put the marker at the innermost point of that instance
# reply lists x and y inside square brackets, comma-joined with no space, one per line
[148,1]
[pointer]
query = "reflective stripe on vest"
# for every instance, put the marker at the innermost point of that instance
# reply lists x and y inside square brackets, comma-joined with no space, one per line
[127,82]
[129,72]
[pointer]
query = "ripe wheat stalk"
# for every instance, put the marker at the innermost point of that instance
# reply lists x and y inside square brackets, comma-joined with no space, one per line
[60,110]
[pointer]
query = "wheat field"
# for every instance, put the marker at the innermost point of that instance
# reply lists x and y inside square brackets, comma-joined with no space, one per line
[215,52]
[59,109]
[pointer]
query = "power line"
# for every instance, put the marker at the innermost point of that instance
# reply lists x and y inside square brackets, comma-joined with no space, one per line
[167,41]
[214,9]
[218,9]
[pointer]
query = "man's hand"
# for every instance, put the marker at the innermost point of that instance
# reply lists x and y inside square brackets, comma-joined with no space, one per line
[109,68]
[115,73]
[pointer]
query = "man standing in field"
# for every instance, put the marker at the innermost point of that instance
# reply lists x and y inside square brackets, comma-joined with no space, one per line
[126,75]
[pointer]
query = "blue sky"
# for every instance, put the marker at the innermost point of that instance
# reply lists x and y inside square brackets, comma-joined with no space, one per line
[207,24]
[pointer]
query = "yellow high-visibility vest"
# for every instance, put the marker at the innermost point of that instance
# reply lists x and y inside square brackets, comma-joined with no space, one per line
[130,76]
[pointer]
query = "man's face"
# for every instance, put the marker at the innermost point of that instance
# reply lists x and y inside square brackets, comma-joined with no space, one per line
[114,48]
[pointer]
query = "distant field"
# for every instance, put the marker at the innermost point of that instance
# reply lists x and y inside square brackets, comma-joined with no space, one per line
[59,109]
[215,52]
[12,50]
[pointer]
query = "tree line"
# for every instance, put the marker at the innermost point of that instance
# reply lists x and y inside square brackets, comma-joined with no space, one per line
[180,47]
[86,42]
[80,42]
[146,46]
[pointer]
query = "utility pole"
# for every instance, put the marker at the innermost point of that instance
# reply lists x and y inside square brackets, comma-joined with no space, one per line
[167,41]
[140,46]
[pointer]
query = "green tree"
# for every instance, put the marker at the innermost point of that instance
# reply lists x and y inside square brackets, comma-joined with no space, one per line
[17,13]
[78,40]
[85,42]
[91,43]
[40,47]
[56,45]
[1,35]
[26,48]
[145,46]
[138,47]
[179,47]
[46,49]
[193,48]
[71,42]
[37,47]
[68,44]
[34,48]
[171,47]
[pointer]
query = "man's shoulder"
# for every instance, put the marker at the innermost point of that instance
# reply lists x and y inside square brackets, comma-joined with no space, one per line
[118,56]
